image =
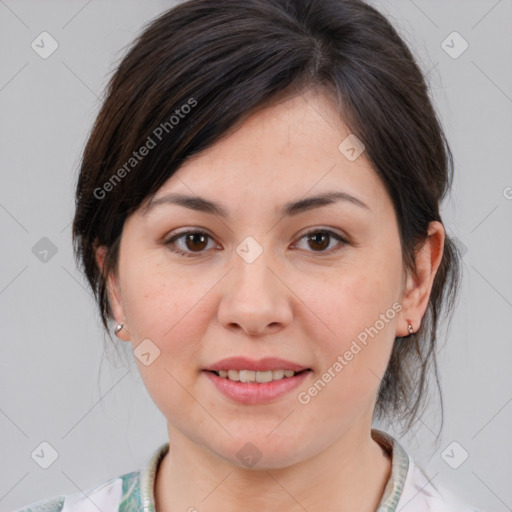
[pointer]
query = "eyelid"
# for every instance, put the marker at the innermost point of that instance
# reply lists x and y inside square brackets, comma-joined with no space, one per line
[323,229]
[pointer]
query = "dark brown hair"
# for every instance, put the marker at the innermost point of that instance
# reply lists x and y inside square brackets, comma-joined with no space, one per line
[224,60]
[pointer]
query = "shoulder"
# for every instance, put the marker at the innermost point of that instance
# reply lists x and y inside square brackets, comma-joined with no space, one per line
[119,494]
[421,494]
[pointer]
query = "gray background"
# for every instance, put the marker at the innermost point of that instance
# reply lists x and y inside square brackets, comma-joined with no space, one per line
[60,379]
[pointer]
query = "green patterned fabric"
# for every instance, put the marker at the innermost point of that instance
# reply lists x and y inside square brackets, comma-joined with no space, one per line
[408,488]
[131,492]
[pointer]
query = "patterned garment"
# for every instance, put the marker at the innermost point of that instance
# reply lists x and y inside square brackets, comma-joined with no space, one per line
[408,489]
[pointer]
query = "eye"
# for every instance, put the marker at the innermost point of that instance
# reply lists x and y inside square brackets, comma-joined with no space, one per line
[320,239]
[197,241]
[194,242]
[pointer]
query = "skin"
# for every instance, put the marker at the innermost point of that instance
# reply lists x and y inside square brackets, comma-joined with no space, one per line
[298,300]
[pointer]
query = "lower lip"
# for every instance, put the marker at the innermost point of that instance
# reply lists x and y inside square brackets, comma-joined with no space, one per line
[251,393]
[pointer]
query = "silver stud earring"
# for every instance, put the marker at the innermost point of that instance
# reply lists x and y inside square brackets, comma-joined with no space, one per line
[410,329]
[118,328]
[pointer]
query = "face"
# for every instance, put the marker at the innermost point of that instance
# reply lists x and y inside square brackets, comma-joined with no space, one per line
[319,287]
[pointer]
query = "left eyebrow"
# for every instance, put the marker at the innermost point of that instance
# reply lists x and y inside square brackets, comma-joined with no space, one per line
[292,208]
[302,205]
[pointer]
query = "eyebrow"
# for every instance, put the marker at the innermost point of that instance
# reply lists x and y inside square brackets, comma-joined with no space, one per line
[292,208]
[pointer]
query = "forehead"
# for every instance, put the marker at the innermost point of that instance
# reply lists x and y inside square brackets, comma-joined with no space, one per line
[292,149]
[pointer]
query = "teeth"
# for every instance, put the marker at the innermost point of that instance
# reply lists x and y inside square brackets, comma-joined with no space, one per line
[252,376]
[233,375]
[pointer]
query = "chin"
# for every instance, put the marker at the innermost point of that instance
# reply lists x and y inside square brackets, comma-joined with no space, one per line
[259,453]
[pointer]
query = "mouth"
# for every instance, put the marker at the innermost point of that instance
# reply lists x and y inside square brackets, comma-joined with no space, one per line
[260,377]
[257,387]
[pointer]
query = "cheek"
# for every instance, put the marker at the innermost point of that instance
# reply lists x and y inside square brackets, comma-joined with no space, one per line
[163,305]
[171,310]
[349,301]
[352,317]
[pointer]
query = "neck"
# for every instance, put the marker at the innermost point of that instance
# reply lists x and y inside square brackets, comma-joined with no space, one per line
[350,474]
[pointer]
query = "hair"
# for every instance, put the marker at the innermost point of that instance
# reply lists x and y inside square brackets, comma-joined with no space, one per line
[201,68]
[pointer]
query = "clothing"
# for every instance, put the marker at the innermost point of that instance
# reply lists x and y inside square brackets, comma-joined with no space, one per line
[408,488]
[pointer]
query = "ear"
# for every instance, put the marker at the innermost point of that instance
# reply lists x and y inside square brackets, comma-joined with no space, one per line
[114,295]
[418,287]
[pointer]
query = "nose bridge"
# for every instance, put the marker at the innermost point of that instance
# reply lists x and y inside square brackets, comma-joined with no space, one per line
[251,275]
[253,297]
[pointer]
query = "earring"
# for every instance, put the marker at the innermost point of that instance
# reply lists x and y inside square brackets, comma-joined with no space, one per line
[118,328]
[410,329]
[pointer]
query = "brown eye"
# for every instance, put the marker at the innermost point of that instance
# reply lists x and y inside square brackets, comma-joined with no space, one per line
[319,240]
[191,242]
[196,241]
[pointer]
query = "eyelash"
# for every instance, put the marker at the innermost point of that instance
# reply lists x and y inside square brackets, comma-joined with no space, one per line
[331,234]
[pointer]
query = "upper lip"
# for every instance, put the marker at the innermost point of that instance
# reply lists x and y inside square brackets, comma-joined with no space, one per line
[265,364]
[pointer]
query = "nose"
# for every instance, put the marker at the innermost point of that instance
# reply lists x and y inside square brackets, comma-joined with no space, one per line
[255,298]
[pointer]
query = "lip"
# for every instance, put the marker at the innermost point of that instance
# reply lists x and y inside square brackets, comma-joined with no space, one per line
[252,393]
[261,365]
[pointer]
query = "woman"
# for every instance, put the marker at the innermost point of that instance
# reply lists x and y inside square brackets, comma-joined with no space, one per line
[257,213]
